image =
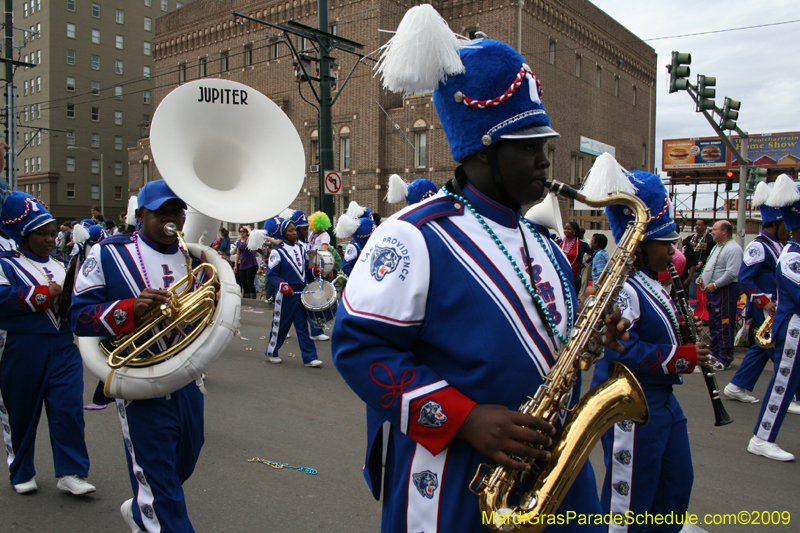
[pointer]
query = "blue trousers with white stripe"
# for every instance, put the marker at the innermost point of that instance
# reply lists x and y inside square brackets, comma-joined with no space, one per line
[755,360]
[289,310]
[785,383]
[38,370]
[649,468]
[163,438]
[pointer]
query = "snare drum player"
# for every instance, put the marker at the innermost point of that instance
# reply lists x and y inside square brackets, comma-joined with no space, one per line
[122,279]
[457,306]
[649,468]
[288,272]
[300,221]
[40,366]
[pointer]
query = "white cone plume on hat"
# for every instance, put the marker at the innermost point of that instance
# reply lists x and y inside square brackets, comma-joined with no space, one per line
[784,193]
[606,177]
[80,234]
[133,205]
[256,239]
[286,213]
[422,53]
[397,189]
[354,211]
[761,196]
[346,226]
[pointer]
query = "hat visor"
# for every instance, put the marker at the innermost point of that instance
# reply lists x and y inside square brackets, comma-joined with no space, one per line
[158,202]
[671,236]
[43,223]
[531,132]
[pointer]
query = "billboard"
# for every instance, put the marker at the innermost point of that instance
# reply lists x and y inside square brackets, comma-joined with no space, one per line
[768,150]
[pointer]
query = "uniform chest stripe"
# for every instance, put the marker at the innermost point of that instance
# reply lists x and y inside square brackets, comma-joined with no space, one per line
[656,305]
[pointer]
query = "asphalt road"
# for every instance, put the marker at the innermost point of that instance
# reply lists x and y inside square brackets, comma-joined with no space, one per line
[309,417]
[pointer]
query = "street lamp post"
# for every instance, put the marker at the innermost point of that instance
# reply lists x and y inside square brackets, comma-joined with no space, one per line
[102,196]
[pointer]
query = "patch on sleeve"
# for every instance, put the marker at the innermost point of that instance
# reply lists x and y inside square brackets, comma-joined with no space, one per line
[754,254]
[351,253]
[274,259]
[384,261]
[431,415]
[88,266]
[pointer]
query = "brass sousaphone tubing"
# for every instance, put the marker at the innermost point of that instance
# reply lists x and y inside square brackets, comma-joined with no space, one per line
[187,313]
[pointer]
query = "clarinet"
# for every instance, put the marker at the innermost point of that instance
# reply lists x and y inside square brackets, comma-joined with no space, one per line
[720,414]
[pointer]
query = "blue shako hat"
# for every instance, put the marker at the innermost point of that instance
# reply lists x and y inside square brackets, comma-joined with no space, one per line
[276,226]
[785,195]
[650,189]
[421,189]
[484,90]
[760,199]
[299,219]
[21,214]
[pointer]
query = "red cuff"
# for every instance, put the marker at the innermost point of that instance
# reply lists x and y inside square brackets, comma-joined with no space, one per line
[285,288]
[435,419]
[760,300]
[40,298]
[684,361]
[120,318]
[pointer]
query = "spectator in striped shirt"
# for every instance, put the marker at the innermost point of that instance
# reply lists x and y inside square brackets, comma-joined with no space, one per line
[600,257]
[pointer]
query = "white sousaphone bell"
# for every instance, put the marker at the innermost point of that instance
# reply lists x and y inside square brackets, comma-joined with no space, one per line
[231,154]
[547,213]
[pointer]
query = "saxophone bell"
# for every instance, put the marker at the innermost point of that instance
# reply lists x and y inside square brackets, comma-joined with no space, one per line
[763,334]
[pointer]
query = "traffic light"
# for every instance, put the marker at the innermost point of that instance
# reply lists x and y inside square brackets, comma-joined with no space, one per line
[705,92]
[678,72]
[730,112]
[758,173]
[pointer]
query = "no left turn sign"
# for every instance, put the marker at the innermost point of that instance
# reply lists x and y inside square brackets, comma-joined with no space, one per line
[333,182]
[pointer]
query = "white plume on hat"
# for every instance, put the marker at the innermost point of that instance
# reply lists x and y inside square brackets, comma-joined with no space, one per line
[354,211]
[606,177]
[133,205]
[784,193]
[256,239]
[79,234]
[397,190]
[286,214]
[346,226]
[762,194]
[422,52]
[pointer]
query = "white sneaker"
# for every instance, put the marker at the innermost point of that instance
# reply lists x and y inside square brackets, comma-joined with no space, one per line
[315,362]
[740,395]
[769,450]
[794,408]
[75,484]
[28,486]
[126,509]
[320,337]
[275,360]
[718,367]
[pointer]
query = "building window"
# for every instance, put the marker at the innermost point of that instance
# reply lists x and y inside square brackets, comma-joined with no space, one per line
[70,190]
[118,118]
[95,140]
[633,99]
[164,5]
[577,65]
[334,29]
[202,68]
[25,113]
[25,9]
[145,172]
[25,88]
[70,138]
[95,192]
[118,66]
[39,85]
[118,168]
[274,51]
[551,155]
[70,57]
[70,110]
[38,57]
[95,166]
[344,148]
[117,193]
[70,164]
[70,30]
[182,73]
[118,92]
[145,119]
[420,149]
[70,83]
[223,61]
[96,88]
[117,142]
[145,97]
[314,146]
[552,55]
[120,42]
[616,85]
[146,72]
[39,169]
[576,169]
[95,62]
[96,10]
[248,54]
[70,5]
[147,48]
[599,75]
[120,16]
[95,114]
[644,156]
[148,24]
[38,110]
[148,3]
[96,36]
[25,172]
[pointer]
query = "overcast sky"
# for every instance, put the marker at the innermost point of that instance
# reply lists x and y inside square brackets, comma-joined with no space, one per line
[759,66]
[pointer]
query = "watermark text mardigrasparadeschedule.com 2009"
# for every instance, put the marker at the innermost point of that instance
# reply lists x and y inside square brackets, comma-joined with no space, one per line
[754,518]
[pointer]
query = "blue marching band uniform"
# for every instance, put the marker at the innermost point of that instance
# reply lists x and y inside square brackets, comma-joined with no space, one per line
[162,436]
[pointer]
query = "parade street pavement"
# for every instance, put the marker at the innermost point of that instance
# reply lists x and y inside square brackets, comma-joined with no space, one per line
[309,417]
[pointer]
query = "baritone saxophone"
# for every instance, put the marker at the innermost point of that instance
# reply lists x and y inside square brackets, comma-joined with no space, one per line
[620,397]
[763,334]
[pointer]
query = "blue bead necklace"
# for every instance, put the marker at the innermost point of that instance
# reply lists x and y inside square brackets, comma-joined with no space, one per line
[664,304]
[530,288]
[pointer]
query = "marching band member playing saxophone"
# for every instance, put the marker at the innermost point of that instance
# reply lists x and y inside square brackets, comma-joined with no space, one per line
[122,279]
[649,468]
[39,363]
[457,306]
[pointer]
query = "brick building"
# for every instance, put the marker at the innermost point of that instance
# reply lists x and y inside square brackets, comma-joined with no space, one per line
[598,85]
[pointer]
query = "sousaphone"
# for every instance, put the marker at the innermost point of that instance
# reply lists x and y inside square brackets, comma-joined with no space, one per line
[231,154]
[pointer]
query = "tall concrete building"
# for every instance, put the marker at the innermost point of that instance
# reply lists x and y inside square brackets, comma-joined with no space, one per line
[89,97]
[597,77]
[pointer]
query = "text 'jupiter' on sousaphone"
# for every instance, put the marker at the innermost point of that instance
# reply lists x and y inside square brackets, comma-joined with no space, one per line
[231,154]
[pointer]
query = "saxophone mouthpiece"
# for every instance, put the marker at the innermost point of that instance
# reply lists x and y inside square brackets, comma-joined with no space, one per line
[170,229]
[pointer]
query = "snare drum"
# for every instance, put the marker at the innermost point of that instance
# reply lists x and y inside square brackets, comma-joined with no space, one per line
[315,256]
[321,305]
